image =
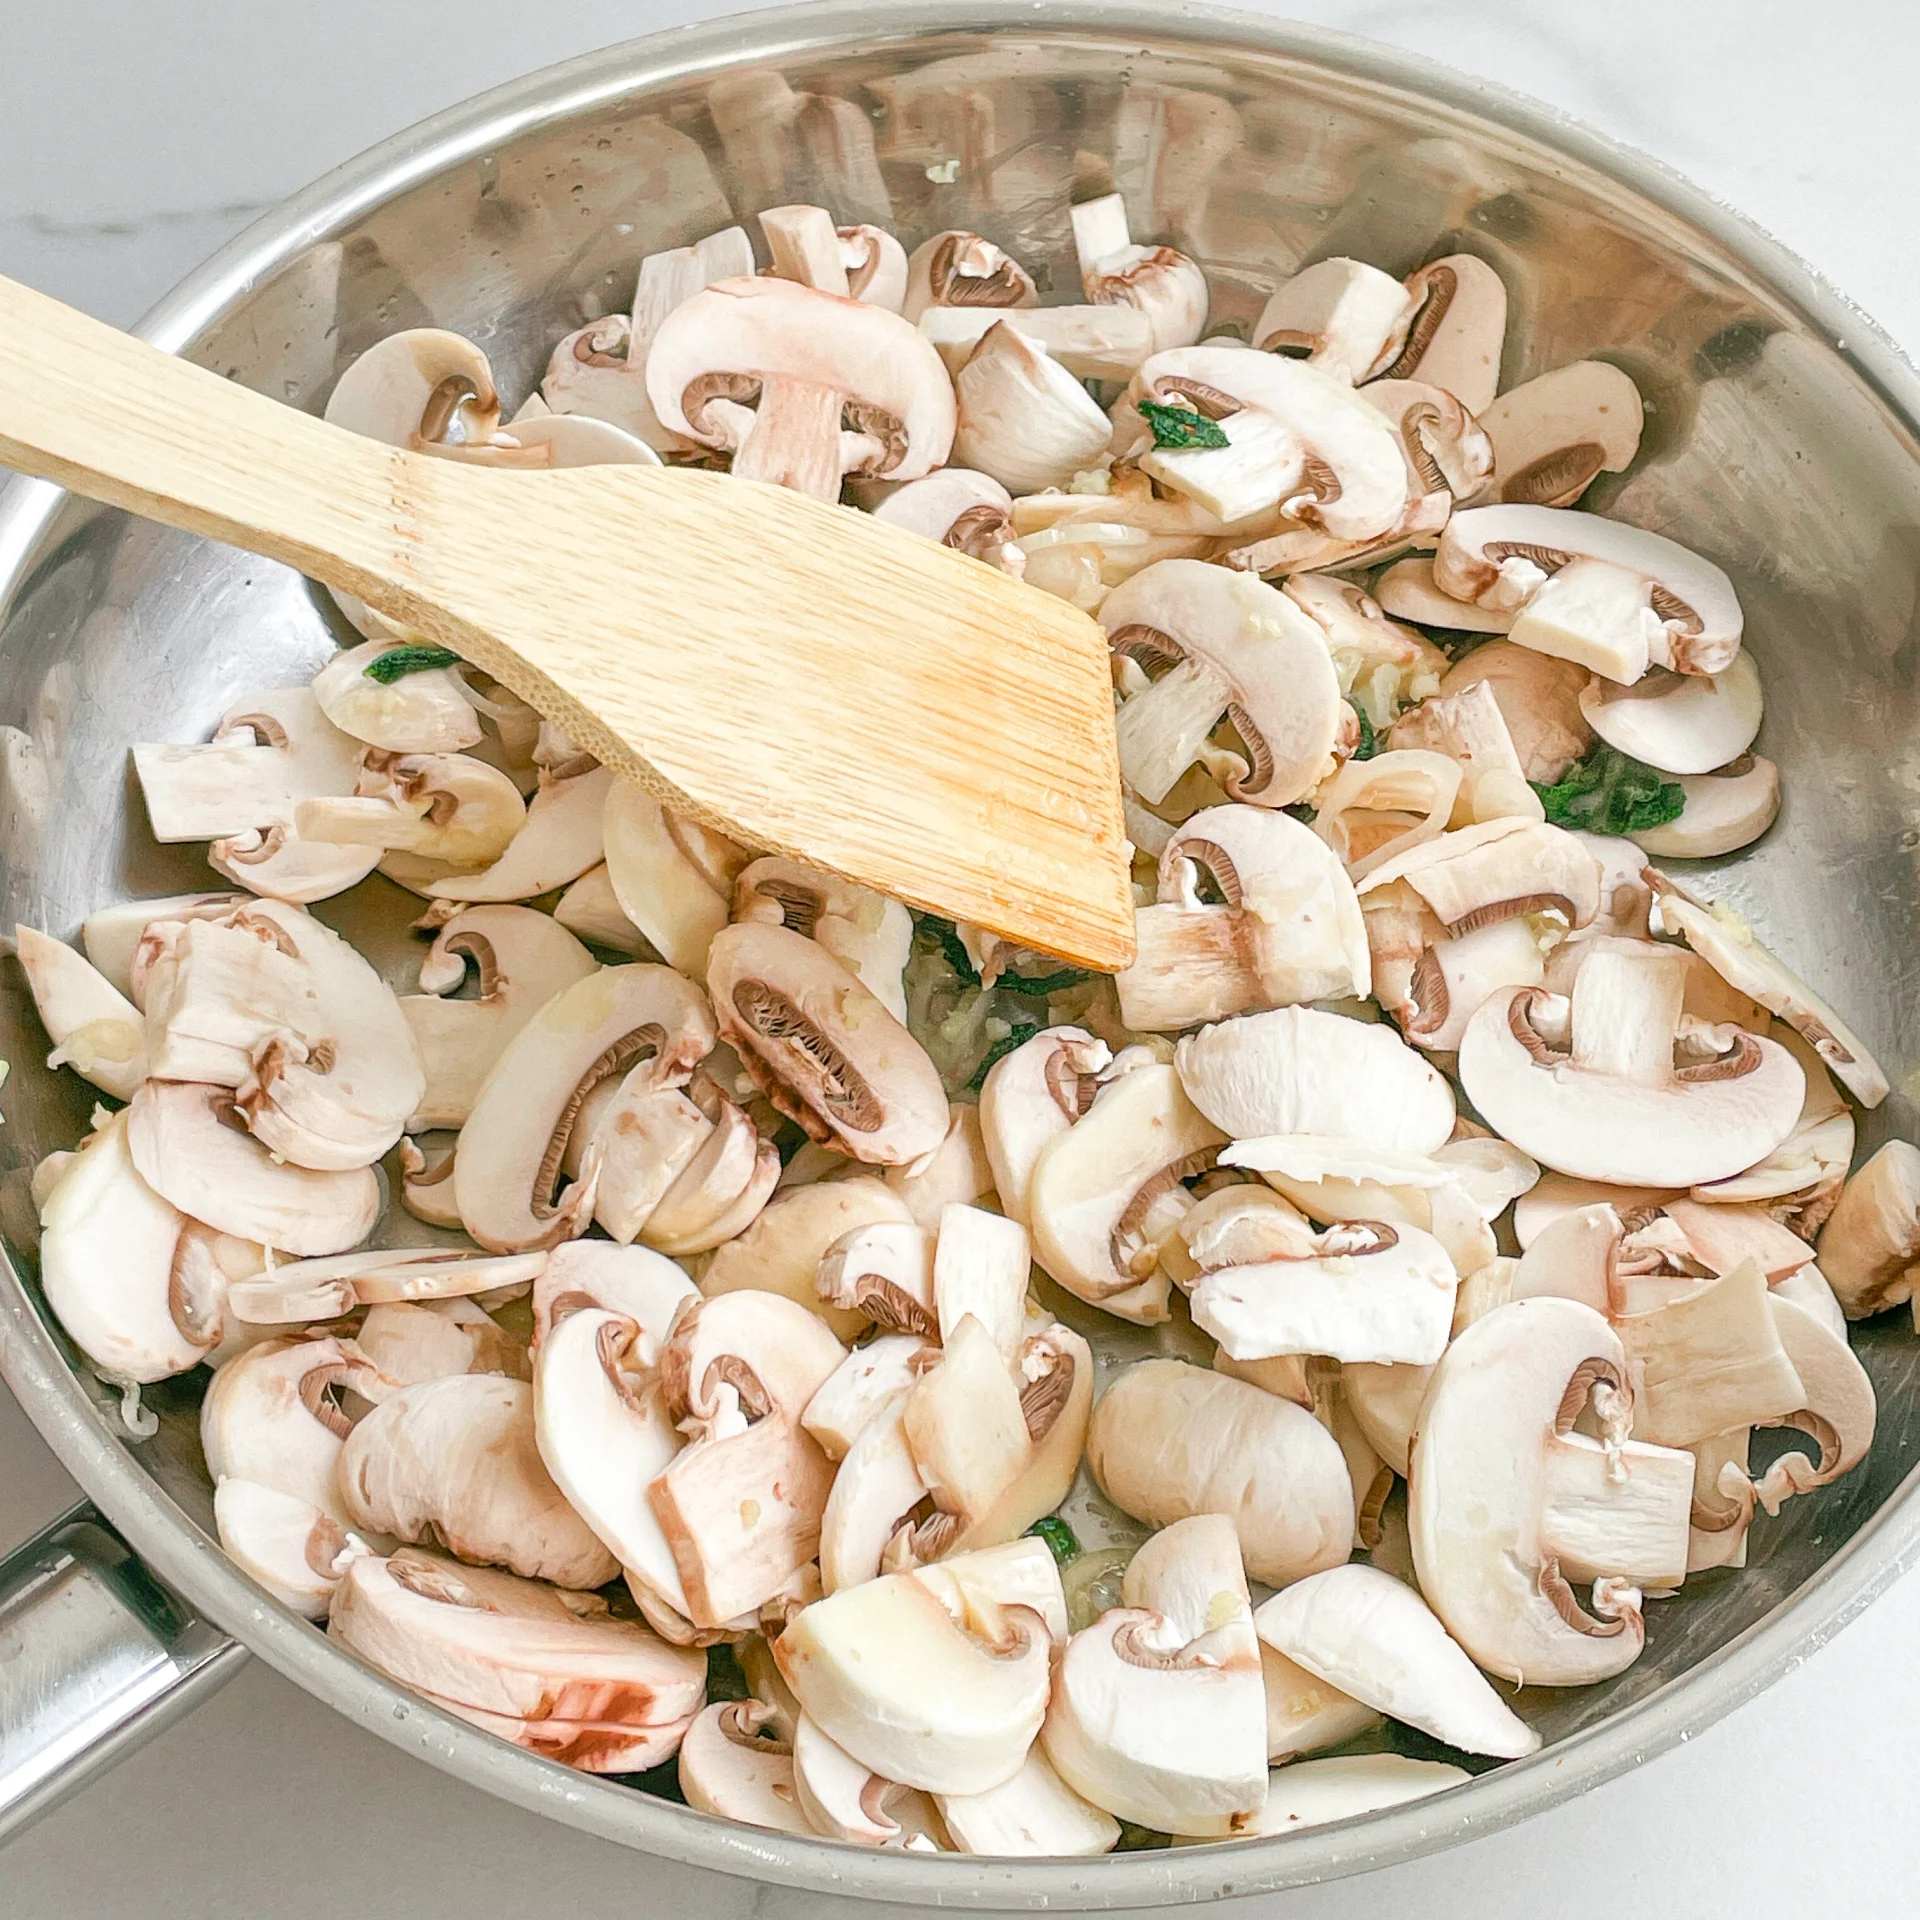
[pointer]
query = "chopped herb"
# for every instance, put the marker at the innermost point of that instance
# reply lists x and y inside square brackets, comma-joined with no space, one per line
[1300,811]
[1039,985]
[1608,792]
[1058,1536]
[1023,1031]
[1369,744]
[943,936]
[398,661]
[1179,427]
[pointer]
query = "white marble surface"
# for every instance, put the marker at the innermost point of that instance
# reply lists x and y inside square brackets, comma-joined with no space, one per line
[134,138]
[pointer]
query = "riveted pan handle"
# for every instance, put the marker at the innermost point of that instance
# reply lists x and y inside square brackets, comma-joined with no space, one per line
[96,1657]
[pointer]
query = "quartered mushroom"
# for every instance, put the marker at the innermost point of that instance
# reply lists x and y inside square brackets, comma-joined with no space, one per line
[1870,1245]
[94,1028]
[823,1047]
[801,387]
[508,1162]
[1225,644]
[1288,928]
[1510,1506]
[1374,1638]
[960,269]
[1165,284]
[1555,435]
[1021,417]
[1091,343]
[1615,598]
[547,1669]
[1170,1440]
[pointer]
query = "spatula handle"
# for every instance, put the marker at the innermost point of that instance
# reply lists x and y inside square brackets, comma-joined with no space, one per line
[117,420]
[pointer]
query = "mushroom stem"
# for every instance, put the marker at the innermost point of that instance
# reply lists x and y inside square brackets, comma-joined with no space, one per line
[1626,1010]
[1621,1510]
[795,438]
[1162,730]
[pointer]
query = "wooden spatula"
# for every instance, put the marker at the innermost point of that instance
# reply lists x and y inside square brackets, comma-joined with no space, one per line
[805,678]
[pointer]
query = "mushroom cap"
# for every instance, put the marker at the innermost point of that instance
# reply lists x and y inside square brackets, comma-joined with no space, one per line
[1154,1735]
[1297,1070]
[822,1046]
[889,1674]
[1554,434]
[422,387]
[457,1460]
[955,506]
[187,1150]
[1030,1095]
[1505,1392]
[1506,554]
[726,1770]
[777,330]
[1313,1793]
[871,933]
[485,1641]
[1373,1637]
[766,1348]
[1540,699]
[959,269]
[509,1153]
[1170,1440]
[1680,723]
[1599,1125]
[1723,811]
[1281,692]
[1035,1814]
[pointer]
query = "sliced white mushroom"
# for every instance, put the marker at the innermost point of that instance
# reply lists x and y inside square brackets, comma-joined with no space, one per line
[1022,417]
[960,269]
[1721,938]
[876,1487]
[1163,283]
[1870,1246]
[1170,1440]
[415,1340]
[94,1028]
[660,888]
[868,1381]
[981,1262]
[112,936]
[1230,644]
[425,710]
[1304,1713]
[956,1174]
[1338,314]
[456,1460]
[822,1047]
[842,1799]
[1091,343]
[1290,928]
[1838,1411]
[1680,723]
[1374,810]
[1373,1637]
[327,1289]
[1314,1793]
[1030,1096]
[1469,728]
[446,807]
[970,512]
[590,909]
[1723,811]
[1553,435]
[510,1150]
[1408,591]
[189,1146]
[633,1282]
[1035,1815]
[561,840]
[733,1764]
[1612,1104]
[868,932]
[914,1694]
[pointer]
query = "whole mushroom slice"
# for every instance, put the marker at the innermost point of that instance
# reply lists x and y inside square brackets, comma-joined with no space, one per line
[1540,698]
[1373,1637]
[1165,284]
[960,269]
[1870,1245]
[109,1247]
[522,959]
[633,1282]
[1170,1440]
[1290,930]
[1158,1731]
[1554,435]
[971,512]
[1297,1070]
[822,1047]
[484,1643]
[1494,1440]
[1021,417]
[428,710]
[604,1433]
[1455,328]
[1612,1103]
[425,389]
[561,840]
[1314,1793]
[741,1504]
[113,935]
[870,933]
[1721,938]
[1338,314]
[1298,439]
[436,806]
[1107,1192]
[1034,1815]
[1365,1292]
[1613,597]
[841,387]
[1722,812]
[1228,645]
[1031,1095]
[456,1460]
[1680,723]
[888,1673]
[94,1028]
[510,1150]
[732,1763]
[190,1146]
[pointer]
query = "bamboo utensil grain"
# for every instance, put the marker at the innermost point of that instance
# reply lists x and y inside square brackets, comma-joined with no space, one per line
[800,676]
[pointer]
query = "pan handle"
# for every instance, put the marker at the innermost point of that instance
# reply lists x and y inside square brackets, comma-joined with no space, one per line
[96,1657]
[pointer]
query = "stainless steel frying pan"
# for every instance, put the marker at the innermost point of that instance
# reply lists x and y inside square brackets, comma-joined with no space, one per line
[1781,442]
